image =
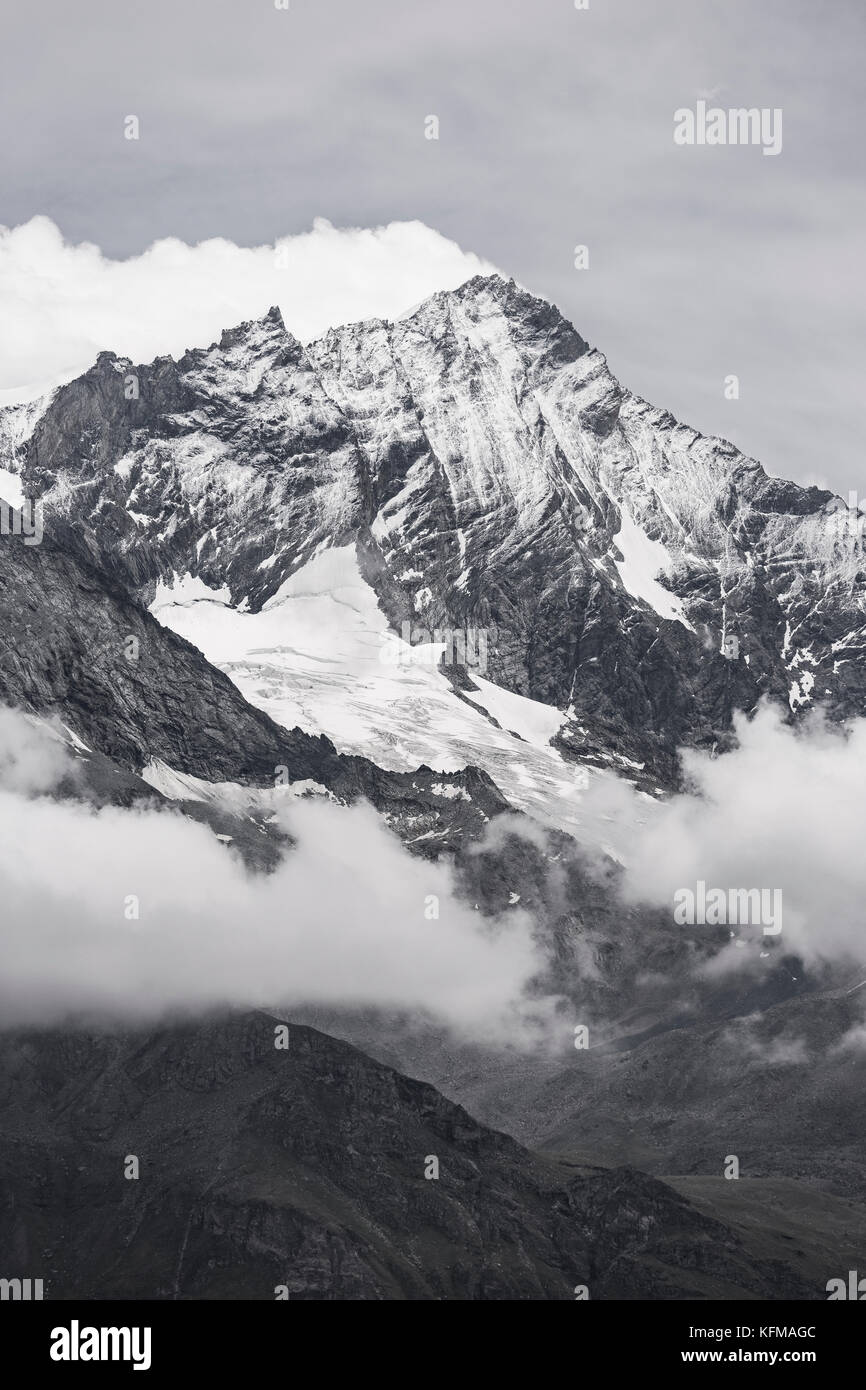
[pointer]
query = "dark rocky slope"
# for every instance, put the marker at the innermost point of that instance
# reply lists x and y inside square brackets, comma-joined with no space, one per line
[304,1168]
[70,632]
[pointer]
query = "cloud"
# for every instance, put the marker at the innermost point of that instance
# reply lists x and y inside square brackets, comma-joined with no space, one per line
[344,922]
[752,1042]
[33,756]
[786,809]
[854,1040]
[135,914]
[61,304]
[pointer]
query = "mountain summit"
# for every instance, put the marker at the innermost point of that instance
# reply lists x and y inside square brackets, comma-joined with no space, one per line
[451,566]
[492,476]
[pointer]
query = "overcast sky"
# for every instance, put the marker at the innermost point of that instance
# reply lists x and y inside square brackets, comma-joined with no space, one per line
[555,130]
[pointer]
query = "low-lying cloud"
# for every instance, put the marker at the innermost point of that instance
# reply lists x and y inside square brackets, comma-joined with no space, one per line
[136,914]
[61,304]
[785,810]
[140,914]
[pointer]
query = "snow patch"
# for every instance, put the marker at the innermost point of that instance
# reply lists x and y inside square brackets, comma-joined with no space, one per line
[11,489]
[185,590]
[642,560]
[450,793]
[183,786]
[320,656]
[532,720]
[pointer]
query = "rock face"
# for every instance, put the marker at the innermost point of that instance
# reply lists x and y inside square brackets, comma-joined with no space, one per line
[494,476]
[303,1168]
[471,468]
[78,647]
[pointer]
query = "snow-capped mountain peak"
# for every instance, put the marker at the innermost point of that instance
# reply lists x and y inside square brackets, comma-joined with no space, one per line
[495,478]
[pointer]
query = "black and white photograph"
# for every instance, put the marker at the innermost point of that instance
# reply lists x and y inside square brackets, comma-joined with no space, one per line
[432,666]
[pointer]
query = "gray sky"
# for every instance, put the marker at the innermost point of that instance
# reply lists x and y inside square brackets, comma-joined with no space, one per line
[555,129]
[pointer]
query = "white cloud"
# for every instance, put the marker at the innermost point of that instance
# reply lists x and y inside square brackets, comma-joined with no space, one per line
[33,756]
[341,922]
[854,1040]
[786,809]
[61,304]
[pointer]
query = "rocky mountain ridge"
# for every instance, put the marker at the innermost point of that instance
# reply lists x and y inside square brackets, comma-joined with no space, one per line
[493,476]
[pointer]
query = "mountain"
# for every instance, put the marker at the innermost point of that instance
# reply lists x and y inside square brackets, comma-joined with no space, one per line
[134,696]
[303,1168]
[483,472]
[447,565]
